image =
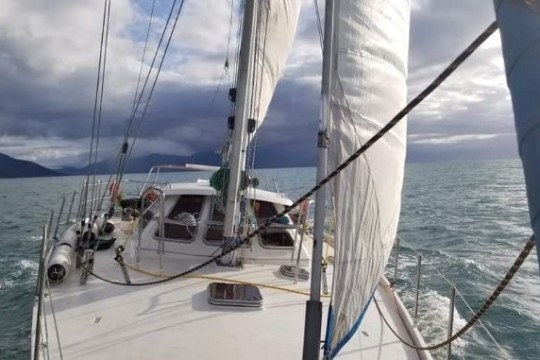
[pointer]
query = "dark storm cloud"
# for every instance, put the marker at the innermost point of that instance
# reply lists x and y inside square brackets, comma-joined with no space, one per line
[48,60]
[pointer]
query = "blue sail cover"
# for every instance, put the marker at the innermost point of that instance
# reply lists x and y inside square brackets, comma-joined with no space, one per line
[519,24]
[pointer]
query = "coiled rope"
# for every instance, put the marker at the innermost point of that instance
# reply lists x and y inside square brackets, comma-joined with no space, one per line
[218,278]
[502,285]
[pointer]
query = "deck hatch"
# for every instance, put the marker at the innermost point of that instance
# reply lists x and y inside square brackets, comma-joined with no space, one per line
[225,294]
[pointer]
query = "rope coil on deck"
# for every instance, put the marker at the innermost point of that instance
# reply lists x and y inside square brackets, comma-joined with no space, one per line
[502,285]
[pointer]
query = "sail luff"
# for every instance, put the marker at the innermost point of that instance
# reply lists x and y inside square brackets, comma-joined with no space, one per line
[277,24]
[519,24]
[268,35]
[369,88]
[312,328]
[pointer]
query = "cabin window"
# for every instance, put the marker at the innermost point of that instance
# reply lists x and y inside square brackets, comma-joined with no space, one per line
[181,223]
[276,238]
[275,235]
[214,232]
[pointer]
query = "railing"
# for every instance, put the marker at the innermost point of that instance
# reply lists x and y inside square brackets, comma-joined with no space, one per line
[453,290]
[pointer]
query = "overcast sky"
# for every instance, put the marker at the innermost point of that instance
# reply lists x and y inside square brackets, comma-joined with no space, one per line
[48,64]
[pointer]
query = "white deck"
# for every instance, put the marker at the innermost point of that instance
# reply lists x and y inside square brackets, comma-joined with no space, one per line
[174,320]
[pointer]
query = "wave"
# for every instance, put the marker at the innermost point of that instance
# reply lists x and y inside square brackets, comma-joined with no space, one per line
[28,264]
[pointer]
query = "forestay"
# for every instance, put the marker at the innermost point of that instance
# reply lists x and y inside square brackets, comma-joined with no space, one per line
[519,23]
[276,27]
[368,89]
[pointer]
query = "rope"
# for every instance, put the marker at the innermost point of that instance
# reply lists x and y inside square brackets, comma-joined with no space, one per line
[502,285]
[218,278]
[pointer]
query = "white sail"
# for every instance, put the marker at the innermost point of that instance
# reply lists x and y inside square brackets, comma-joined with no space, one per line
[368,89]
[276,27]
[519,24]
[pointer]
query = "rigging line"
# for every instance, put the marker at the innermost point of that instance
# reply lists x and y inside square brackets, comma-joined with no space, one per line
[230,30]
[226,65]
[487,304]
[98,208]
[95,104]
[319,23]
[54,319]
[143,54]
[410,106]
[121,163]
[147,103]
[132,117]
[154,83]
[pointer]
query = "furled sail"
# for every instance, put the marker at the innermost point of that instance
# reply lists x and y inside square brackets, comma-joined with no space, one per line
[276,27]
[519,24]
[368,89]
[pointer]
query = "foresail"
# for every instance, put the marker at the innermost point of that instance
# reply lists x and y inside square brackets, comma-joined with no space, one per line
[519,24]
[368,89]
[277,21]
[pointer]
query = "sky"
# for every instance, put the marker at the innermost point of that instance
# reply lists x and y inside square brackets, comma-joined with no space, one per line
[48,66]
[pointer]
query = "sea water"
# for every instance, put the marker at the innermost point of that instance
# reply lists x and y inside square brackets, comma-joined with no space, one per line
[468,220]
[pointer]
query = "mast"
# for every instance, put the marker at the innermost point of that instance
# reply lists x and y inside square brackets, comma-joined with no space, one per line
[312,328]
[237,160]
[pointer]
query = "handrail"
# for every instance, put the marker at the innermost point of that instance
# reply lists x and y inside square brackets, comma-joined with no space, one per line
[453,290]
[157,169]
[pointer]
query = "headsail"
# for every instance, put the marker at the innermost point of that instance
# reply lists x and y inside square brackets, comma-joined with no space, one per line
[369,88]
[519,24]
[276,28]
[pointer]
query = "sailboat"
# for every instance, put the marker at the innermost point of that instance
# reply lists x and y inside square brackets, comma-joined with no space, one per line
[203,270]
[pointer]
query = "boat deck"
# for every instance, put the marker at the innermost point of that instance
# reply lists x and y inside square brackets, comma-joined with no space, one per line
[174,320]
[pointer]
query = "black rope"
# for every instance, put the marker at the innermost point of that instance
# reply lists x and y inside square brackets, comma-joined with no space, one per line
[400,115]
[502,285]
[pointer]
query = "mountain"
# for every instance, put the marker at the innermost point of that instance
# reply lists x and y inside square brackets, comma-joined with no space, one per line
[144,163]
[271,157]
[14,168]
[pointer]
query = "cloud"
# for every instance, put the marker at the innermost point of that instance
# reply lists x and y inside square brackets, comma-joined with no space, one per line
[48,68]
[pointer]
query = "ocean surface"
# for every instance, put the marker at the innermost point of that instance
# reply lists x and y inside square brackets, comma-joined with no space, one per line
[468,220]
